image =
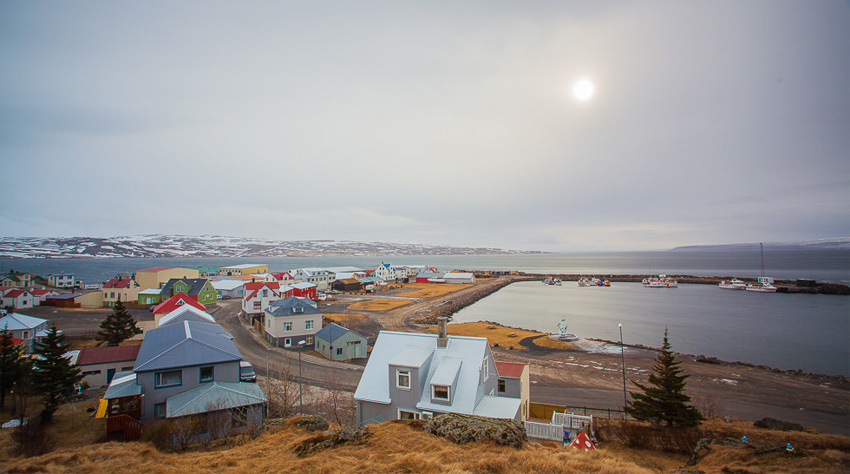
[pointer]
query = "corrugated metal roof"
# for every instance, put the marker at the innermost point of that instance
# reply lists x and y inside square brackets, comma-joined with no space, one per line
[512,370]
[151,291]
[100,355]
[447,371]
[171,304]
[17,321]
[497,407]
[331,332]
[186,313]
[214,396]
[290,306]
[123,385]
[228,284]
[187,344]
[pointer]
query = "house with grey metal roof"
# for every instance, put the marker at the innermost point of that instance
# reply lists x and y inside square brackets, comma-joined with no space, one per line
[339,343]
[24,327]
[292,322]
[186,313]
[416,376]
[185,368]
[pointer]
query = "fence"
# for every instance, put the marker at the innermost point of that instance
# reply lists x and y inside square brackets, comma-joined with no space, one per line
[571,421]
[544,411]
[123,428]
[544,431]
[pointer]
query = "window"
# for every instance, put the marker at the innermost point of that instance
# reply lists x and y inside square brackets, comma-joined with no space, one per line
[269,323]
[207,374]
[168,379]
[180,302]
[403,379]
[256,305]
[287,326]
[265,292]
[407,415]
[308,324]
[440,392]
[93,372]
[501,385]
[159,410]
[353,343]
[25,335]
[298,310]
[339,351]
[308,340]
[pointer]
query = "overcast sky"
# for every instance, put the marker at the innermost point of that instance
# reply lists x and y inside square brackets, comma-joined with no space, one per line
[428,122]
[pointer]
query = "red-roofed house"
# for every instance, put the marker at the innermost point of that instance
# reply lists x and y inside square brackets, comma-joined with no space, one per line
[173,303]
[99,364]
[18,298]
[514,382]
[124,289]
[283,278]
[257,297]
[40,296]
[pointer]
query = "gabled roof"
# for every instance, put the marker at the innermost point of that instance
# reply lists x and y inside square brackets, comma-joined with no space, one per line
[332,332]
[195,285]
[102,355]
[255,287]
[16,321]
[228,285]
[43,292]
[188,344]
[186,313]
[290,306]
[151,291]
[461,360]
[156,269]
[65,296]
[118,283]
[303,285]
[123,385]
[430,275]
[281,275]
[350,281]
[15,293]
[511,370]
[214,396]
[173,303]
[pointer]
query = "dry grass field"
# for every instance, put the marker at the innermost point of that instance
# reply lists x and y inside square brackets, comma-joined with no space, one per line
[342,317]
[378,305]
[431,290]
[495,334]
[274,451]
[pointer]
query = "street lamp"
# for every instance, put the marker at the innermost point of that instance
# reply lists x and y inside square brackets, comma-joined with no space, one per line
[623,352]
[300,399]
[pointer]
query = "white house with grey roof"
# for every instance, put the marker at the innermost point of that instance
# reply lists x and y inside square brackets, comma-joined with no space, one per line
[291,321]
[416,376]
[340,343]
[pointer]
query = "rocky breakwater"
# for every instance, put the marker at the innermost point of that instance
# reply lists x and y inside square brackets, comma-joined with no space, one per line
[449,307]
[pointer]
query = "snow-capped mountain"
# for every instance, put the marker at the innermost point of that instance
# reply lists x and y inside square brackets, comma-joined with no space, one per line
[155,245]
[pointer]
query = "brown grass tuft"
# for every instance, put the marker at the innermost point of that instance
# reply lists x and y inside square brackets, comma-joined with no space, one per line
[378,305]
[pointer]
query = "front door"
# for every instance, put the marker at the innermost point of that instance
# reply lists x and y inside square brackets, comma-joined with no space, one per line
[287,342]
[109,374]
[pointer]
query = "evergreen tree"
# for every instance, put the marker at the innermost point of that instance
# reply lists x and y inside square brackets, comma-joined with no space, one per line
[12,366]
[663,400]
[118,326]
[54,375]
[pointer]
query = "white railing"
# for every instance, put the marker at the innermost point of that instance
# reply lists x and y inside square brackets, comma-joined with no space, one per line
[544,431]
[570,421]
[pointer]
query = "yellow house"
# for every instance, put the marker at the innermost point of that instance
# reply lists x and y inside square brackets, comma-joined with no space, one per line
[158,276]
[124,289]
[246,269]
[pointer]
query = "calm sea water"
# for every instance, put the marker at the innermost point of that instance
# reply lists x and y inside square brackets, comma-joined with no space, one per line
[809,332]
[789,331]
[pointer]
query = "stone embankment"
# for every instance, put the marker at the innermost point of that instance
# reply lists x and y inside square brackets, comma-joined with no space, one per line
[449,307]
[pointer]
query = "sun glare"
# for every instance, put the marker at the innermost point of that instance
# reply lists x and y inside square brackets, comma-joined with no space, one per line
[583,90]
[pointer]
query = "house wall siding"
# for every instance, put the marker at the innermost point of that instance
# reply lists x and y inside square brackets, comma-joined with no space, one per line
[223,372]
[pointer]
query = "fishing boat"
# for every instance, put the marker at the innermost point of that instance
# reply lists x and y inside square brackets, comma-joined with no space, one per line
[663,281]
[585,281]
[765,283]
[554,281]
[733,284]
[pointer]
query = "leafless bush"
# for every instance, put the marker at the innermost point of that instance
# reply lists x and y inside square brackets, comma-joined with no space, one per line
[709,406]
[282,390]
[337,404]
[186,430]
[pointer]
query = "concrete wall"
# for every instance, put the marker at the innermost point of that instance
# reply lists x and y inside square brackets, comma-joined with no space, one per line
[99,379]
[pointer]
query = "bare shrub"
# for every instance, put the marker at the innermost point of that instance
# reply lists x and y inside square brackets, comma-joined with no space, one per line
[709,405]
[282,390]
[336,403]
[32,438]
[186,430]
[158,433]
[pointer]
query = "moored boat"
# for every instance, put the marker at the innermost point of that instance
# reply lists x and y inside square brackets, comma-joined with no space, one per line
[663,281]
[733,284]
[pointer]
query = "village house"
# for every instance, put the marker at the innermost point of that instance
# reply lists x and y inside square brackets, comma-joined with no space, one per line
[515,382]
[62,280]
[123,289]
[458,277]
[182,369]
[348,284]
[199,288]
[26,328]
[150,296]
[292,322]
[90,300]
[416,376]
[317,276]
[17,279]
[99,365]
[18,298]
[204,272]
[227,287]
[243,270]
[257,297]
[284,278]
[185,312]
[339,343]
[175,302]
[385,272]
[40,295]
[157,277]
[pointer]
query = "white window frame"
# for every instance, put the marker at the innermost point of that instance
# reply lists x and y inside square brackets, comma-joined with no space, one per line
[308,324]
[416,415]
[398,374]
[448,393]
[287,326]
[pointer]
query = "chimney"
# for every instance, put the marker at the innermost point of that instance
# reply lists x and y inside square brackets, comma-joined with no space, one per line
[442,337]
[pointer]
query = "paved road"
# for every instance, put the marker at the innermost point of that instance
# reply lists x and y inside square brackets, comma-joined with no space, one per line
[314,370]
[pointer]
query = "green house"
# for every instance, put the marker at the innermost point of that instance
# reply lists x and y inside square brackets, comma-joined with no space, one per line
[199,287]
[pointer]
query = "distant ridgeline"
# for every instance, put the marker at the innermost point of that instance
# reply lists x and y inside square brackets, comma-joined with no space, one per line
[171,246]
[830,244]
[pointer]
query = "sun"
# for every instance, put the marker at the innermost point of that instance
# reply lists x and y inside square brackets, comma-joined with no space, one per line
[583,90]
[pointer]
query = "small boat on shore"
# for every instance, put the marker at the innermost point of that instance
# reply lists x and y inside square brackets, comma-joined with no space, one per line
[553,281]
[663,281]
[733,284]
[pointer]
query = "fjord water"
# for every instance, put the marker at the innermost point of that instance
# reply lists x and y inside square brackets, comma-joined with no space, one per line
[788,331]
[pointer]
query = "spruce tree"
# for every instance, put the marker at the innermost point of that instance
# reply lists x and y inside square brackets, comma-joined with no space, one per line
[12,366]
[54,375]
[118,326]
[663,400]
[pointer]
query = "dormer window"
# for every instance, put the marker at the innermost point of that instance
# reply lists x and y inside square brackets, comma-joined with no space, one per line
[297,310]
[440,393]
[403,379]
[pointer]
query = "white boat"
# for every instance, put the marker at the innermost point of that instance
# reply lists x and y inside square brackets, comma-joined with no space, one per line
[553,281]
[733,284]
[585,281]
[765,283]
[663,281]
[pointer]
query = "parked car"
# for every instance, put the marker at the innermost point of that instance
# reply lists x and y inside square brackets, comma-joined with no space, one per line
[246,372]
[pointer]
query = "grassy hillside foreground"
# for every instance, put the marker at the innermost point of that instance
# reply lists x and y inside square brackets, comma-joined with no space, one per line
[404,447]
